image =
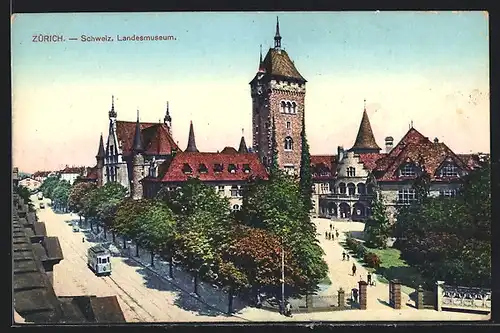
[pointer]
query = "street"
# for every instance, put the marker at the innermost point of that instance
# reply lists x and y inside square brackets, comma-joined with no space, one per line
[144,297]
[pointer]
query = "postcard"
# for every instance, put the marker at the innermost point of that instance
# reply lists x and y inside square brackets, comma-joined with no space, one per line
[251,167]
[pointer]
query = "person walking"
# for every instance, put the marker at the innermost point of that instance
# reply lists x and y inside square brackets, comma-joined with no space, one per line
[330,226]
[343,256]
[337,233]
[347,256]
[353,269]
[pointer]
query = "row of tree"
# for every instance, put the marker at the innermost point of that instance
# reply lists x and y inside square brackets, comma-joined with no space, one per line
[193,226]
[57,190]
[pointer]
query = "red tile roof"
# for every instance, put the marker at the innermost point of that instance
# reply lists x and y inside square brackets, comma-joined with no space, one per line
[156,138]
[229,150]
[41,174]
[193,160]
[472,160]
[416,148]
[71,170]
[324,167]
[370,160]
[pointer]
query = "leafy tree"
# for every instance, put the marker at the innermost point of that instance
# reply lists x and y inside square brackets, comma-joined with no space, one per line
[76,195]
[109,196]
[48,186]
[23,193]
[306,181]
[231,278]
[449,238]
[127,220]
[60,194]
[377,227]
[90,202]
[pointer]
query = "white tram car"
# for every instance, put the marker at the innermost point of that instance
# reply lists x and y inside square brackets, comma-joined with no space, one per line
[98,259]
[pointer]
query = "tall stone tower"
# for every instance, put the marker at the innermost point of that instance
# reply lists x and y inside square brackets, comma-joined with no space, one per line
[100,162]
[278,91]
[137,162]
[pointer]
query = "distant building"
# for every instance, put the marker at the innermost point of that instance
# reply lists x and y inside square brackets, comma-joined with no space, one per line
[30,183]
[70,174]
[41,175]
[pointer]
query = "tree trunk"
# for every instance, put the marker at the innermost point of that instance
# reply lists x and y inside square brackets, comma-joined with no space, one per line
[137,250]
[105,229]
[80,219]
[152,259]
[230,301]
[91,226]
[113,235]
[97,226]
[196,282]
[171,266]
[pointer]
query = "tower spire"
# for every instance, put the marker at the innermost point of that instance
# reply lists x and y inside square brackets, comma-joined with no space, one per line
[167,119]
[277,37]
[191,146]
[243,146]
[112,112]
[138,146]
[262,68]
[365,141]
[100,151]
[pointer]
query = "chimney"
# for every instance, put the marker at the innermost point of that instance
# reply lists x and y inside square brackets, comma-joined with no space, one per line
[389,141]
[436,140]
[340,153]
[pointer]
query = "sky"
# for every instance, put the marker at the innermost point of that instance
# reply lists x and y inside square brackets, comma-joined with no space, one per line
[429,68]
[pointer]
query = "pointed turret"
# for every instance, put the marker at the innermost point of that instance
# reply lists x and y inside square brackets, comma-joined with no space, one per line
[167,120]
[138,146]
[365,141]
[191,147]
[262,67]
[112,112]
[100,152]
[277,37]
[243,146]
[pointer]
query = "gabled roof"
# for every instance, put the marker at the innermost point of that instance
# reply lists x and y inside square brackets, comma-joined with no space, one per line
[323,167]
[229,150]
[156,138]
[415,148]
[173,170]
[73,170]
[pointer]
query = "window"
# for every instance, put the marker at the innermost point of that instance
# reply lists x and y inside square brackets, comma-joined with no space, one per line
[361,188]
[282,107]
[231,168]
[240,191]
[294,107]
[246,168]
[288,125]
[449,170]
[288,143]
[351,189]
[325,187]
[264,160]
[288,107]
[99,261]
[221,190]
[186,168]
[342,188]
[236,208]
[257,129]
[290,170]
[234,191]
[351,172]
[218,167]
[406,196]
[202,168]
[408,170]
[448,193]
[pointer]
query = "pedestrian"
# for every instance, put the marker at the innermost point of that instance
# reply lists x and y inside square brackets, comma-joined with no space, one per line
[83,239]
[329,236]
[330,226]
[333,236]
[369,279]
[348,257]
[355,295]
[337,233]
[353,269]
[343,256]
[288,312]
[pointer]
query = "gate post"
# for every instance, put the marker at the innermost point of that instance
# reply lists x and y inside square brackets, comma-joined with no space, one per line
[439,295]
[396,294]
[362,294]
[420,297]
[341,294]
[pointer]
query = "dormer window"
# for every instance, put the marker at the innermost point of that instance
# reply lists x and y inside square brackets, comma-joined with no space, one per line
[408,170]
[186,169]
[449,170]
[202,168]
[232,168]
[351,172]
[246,168]
[218,167]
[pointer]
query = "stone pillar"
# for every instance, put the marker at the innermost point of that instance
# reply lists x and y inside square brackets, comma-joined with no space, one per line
[439,295]
[341,293]
[362,294]
[309,302]
[396,294]
[420,298]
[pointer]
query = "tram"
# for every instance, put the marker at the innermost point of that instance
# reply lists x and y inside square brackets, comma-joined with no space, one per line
[98,260]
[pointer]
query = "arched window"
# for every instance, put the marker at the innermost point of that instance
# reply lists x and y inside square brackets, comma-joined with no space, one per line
[294,107]
[236,208]
[342,188]
[282,106]
[351,189]
[361,188]
[288,107]
[288,143]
